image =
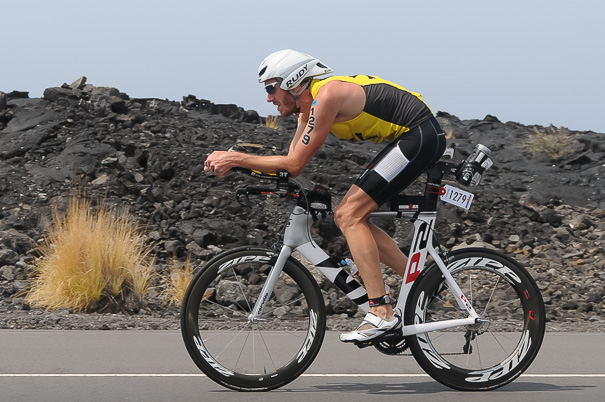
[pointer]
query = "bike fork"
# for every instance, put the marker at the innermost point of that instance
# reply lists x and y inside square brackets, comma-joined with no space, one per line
[269,285]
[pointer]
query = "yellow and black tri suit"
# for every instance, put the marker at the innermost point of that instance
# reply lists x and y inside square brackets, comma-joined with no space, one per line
[391,113]
[390,110]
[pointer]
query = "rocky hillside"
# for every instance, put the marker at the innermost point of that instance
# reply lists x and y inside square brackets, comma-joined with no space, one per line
[147,154]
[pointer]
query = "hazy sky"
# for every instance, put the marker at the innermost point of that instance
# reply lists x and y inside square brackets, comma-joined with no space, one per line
[530,61]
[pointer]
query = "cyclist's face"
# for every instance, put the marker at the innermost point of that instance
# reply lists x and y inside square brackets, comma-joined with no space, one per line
[284,100]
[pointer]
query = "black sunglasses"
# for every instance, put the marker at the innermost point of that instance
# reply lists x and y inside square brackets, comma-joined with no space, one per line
[270,88]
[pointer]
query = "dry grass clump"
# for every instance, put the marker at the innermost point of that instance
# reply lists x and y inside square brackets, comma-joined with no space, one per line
[92,260]
[556,143]
[272,122]
[178,282]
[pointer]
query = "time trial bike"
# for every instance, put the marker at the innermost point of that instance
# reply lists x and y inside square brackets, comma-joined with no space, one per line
[254,318]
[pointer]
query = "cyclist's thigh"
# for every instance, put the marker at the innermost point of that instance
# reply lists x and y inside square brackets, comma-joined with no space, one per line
[401,162]
[355,204]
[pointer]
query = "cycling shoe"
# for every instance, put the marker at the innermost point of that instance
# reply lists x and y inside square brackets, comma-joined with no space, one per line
[371,327]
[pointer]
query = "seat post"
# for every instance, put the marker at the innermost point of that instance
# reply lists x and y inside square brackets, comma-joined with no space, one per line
[433,183]
[428,200]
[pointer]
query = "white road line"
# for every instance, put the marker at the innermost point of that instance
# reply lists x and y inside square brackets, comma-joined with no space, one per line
[304,375]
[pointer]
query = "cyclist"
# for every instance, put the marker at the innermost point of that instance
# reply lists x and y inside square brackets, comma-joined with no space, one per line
[360,107]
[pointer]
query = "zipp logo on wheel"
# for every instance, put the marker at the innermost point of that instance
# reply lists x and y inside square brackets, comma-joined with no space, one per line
[209,359]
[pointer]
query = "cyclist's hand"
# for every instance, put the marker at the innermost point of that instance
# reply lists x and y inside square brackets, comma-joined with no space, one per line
[220,163]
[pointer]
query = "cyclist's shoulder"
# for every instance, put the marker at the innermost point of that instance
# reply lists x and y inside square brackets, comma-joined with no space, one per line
[359,79]
[335,87]
[350,82]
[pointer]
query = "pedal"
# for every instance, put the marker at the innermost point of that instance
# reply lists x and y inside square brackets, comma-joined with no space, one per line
[390,336]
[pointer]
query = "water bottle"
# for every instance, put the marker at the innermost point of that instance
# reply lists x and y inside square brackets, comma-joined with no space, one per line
[473,167]
[354,271]
[352,268]
[486,164]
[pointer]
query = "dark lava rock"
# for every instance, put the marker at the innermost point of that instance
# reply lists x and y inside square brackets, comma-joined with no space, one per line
[147,155]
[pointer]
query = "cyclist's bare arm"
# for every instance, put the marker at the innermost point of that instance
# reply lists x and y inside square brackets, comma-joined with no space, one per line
[304,146]
[303,119]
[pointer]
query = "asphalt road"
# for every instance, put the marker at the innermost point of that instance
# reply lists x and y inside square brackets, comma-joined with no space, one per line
[154,366]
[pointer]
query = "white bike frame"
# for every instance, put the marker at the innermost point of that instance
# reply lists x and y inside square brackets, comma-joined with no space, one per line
[297,236]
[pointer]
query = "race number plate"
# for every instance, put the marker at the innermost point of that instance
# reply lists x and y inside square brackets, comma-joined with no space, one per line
[455,196]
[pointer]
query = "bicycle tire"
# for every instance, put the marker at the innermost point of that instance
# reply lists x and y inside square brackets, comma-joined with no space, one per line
[482,356]
[241,354]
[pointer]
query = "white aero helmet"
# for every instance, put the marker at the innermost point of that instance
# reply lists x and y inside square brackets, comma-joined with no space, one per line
[291,67]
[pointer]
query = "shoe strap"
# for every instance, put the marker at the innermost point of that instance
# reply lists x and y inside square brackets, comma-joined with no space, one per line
[373,319]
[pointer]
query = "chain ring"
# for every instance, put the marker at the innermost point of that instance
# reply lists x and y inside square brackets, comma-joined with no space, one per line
[392,348]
